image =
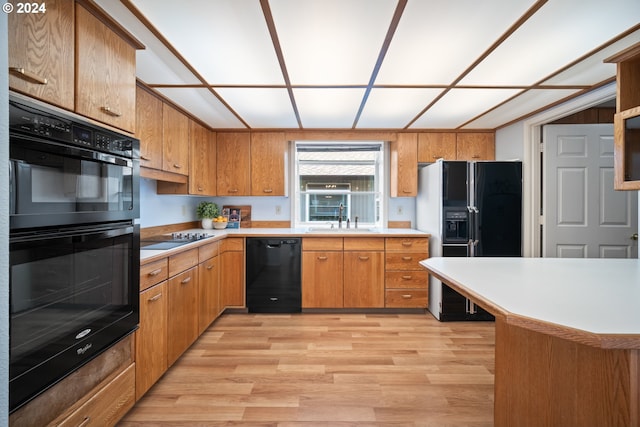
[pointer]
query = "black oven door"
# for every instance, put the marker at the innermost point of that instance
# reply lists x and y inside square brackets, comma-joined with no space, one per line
[73,293]
[54,184]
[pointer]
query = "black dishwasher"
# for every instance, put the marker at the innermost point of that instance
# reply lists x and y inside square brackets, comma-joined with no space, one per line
[273,275]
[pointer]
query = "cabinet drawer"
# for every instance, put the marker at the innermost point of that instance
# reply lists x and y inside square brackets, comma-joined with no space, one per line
[406,298]
[154,272]
[232,244]
[108,405]
[364,244]
[183,261]
[404,261]
[207,251]
[407,244]
[406,279]
[322,244]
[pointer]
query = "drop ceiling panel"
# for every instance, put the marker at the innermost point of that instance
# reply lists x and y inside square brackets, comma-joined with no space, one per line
[436,41]
[525,103]
[461,105]
[394,108]
[328,108]
[203,105]
[261,107]
[331,42]
[227,41]
[559,33]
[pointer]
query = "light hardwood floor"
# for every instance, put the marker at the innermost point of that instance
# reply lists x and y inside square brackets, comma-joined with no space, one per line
[399,370]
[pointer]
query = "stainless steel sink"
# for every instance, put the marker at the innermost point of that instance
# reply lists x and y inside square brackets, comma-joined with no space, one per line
[335,230]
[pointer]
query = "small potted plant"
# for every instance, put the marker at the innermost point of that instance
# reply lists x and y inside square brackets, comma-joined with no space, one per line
[207,211]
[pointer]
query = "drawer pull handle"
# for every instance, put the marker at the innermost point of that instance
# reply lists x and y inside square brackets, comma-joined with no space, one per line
[209,267]
[155,272]
[177,166]
[185,281]
[85,422]
[322,258]
[475,156]
[200,189]
[144,158]
[406,296]
[404,190]
[34,78]
[109,111]
[363,258]
[233,190]
[155,298]
[268,190]
[407,243]
[407,258]
[406,277]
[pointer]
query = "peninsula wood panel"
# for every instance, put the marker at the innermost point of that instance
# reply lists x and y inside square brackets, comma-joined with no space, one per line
[175,141]
[233,163]
[42,53]
[268,151]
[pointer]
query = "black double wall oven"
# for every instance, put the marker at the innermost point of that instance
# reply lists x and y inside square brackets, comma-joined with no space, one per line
[74,245]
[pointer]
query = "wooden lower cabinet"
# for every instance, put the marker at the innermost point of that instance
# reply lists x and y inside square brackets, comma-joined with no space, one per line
[322,281]
[182,313]
[107,406]
[406,282]
[363,273]
[232,272]
[208,293]
[151,337]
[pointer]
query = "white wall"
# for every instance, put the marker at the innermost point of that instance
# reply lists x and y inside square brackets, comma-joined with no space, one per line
[4,224]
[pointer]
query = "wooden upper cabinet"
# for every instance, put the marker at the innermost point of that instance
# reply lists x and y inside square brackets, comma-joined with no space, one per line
[404,165]
[436,145]
[105,73]
[175,141]
[202,168]
[41,53]
[149,128]
[233,163]
[268,171]
[475,146]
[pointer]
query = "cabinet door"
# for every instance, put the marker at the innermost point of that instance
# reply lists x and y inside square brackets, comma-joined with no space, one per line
[208,298]
[151,338]
[475,146]
[232,279]
[175,142]
[363,279]
[267,163]
[105,73]
[41,53]
[322,280]
[436,145]
[404,165]
[182,324]
[202,170]
[149,128]
[233,163]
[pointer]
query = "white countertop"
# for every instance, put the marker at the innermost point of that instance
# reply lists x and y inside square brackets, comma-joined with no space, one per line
[601,296]
[291,232]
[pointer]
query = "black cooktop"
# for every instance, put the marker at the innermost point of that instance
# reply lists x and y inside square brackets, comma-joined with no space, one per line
[170,241]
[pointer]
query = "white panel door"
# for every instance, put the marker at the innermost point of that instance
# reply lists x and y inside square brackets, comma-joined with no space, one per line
[584,217]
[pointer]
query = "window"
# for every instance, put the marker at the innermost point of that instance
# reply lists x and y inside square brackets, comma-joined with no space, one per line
[333,174]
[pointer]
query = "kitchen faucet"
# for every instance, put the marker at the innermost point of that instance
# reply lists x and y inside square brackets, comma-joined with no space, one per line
[340,210]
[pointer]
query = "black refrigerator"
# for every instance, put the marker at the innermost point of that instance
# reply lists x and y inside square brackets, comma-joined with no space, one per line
[470,209]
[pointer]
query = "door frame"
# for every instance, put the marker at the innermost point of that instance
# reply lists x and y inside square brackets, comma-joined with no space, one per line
[532,169]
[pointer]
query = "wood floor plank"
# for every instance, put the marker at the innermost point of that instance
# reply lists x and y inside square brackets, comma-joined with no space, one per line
[338,370]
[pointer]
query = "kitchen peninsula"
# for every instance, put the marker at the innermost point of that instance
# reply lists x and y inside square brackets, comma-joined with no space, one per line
[567,336]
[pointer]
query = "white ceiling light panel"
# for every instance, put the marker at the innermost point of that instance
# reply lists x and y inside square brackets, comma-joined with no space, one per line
[461,105]
[227,41]
[328,108]
[204,105]
[394,108]
[525,103]
[261,107]
[553,37]
[331,42]
[436,41]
